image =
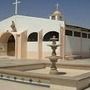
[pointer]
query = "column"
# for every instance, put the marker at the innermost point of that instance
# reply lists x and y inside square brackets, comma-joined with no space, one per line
[62,42]
[16,47]
[40,45]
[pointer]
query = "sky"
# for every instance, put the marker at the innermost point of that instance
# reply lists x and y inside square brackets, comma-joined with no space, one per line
[75,12]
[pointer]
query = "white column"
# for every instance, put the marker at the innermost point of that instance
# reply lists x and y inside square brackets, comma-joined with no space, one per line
[62,42]
[40,44]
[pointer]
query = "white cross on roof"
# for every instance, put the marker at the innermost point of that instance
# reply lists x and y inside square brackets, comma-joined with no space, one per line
[16,6]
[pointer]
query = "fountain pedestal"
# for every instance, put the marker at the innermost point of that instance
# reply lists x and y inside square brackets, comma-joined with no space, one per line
[53,68]
[53,58]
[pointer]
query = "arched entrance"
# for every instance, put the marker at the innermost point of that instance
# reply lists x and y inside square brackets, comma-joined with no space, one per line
[11,46]
[7,40]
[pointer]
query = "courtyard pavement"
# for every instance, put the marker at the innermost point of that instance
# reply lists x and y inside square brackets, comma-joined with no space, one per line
[8,85]
[14,62]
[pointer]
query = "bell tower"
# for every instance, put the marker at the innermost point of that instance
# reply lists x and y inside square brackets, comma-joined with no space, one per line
[56,15]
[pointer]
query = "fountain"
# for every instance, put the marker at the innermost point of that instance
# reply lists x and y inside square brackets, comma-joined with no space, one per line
[53,58]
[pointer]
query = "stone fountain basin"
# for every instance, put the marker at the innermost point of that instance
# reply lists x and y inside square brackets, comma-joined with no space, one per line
[69,72]
[54,45]
[53,58]
[44,68]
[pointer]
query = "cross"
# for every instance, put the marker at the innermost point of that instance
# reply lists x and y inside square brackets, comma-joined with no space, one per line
[57,6]
[16,6]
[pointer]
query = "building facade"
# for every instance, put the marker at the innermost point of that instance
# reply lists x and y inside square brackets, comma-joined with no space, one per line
[27,37]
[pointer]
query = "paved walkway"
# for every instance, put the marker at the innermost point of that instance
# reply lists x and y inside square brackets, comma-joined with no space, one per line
[14,62]
[9,85]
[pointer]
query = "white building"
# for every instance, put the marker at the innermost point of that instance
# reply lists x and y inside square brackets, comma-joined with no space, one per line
[27,37]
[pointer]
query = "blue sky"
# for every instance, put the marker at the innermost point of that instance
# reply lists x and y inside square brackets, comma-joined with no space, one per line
[76,12]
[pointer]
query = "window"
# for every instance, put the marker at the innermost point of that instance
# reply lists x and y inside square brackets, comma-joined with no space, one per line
[50,35]
[84,35]
[53,17]
[77,34]
[68,32]
[33,37]
[89,36]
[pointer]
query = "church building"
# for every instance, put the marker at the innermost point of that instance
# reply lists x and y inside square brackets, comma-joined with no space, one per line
[26,37]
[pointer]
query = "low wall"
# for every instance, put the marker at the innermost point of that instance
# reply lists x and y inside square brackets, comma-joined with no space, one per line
[26,67]
[34,66]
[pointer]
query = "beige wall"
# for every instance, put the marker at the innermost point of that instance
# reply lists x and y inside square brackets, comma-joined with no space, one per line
[24,44]
[32,50]
[3,49]
[21,43]
[77,46]
[72,45]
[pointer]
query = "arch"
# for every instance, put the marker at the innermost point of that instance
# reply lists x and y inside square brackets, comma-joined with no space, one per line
[8,41]
[4,37]
[50,34]
[11,46]
[33,37]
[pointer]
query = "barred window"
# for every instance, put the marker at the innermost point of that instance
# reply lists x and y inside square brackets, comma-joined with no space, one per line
[49,35]
[89,36]
[68,32]
[77,34]
[84,35]
[33,37]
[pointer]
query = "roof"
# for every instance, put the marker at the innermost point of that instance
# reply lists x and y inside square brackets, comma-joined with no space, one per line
[31,24]
[78,27]
[57,13]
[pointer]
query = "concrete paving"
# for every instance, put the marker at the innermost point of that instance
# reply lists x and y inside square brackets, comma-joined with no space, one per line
[9,85]
[15,62]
